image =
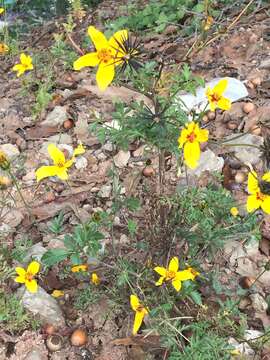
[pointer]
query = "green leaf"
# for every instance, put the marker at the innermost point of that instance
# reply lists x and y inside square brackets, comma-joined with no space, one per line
[54,256]
[196,297]
[132,227]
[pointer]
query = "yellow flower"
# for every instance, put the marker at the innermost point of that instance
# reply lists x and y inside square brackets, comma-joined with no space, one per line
[234,211]
[4,162]
[95,279]
[3,48]
[60,163]
[215,98]
[172,274]
[27,276]
[25,64]
[57,293]
[258,197]
[2,10]
[79,268]
[190,138]
[208,23]
[140,312]
[104,57]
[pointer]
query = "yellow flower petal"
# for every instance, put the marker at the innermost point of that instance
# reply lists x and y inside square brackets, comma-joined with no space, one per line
[192,153]
[173,264]
[234,211]
[33,268]
[138,321]
[184,275]
[19,68]
[253,203]
[95,279]
[183,137]
[266,177]
[57,293]
[253,185]
[20,271]
[62,173]
[177,284]
[86,60]
[134,302]
[220,87]
[56,155]
[46,171]
[266,204]
[203,135]
[160,270]
[105,75]
[2,10]
[98,38]
[78,268]
[160,281]
[117,40]
[224,103]
[79,150]
[20,279]
[31,285]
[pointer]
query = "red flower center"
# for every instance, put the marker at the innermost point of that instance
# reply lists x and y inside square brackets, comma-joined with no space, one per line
[29,276]
[215,97]
[170,275]
[191,137]
[104,55]
[260,196]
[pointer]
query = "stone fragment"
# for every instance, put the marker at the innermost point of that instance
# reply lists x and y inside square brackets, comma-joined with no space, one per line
[56,117]
[11,151]
[105,191]
[121,158]
[208,162]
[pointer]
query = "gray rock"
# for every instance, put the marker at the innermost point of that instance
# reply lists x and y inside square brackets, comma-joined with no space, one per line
[108,146]
[35,252]
[258,303]
[121,159]
[35,354]
[11,151]
[43,305]
[81,163]
[105,191]
[12,218]
[245,153]
[208,162]
[56,117]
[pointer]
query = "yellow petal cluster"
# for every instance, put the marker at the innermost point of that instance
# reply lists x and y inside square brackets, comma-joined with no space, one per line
[107,51]
[2,10]
[257,199]
[216,98]
[24,65]
[190,138]
[95,279]
[79,268]
[3,48]
[57,293]
[27,276]
[234,211]
[171,274]
[140,312]
[60,166]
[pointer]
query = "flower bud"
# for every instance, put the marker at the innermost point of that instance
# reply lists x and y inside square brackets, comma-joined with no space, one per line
[4,162]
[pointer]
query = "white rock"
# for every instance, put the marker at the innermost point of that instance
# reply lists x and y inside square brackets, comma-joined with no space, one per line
[258,303]
[121,159]
[105,191]
[35,354]
[11,151]
[236,90]
[247,154]
[35,252]
[208,162]
[81,163]
[43,305]
[243,348]
[56,117]
[108,146]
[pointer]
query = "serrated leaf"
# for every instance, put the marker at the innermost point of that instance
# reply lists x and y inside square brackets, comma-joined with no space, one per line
[196,297]
[54,256]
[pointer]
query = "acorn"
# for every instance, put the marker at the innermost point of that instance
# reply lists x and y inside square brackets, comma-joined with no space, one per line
[240,177]
[49,329]
[148,171]
[211,115]
[256,130]
[68,124]
[246,282]
[54,342]
[232,125]
[205,119]
[79,337]
[248,107]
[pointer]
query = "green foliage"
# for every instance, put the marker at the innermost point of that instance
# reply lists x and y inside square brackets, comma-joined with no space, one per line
[84,242]
[20,249]
[57,223]
[156,15]
[63,52]
[13,317]
[86,297]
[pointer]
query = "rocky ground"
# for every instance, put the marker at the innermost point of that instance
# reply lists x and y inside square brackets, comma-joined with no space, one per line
[242,53]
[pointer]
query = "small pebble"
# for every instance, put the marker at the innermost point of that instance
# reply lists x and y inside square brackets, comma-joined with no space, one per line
[240,177]
[232,125]
[248,107]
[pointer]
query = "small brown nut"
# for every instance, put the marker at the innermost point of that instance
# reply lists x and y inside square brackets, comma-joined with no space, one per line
[54,342]
[79,337]
[248,107]
[256,81]
[211,115]
[240,177]
[148,171]
[232,125]
[68,124]
[49,197]
[49,329]
[246,282]
[256,130]
[205,119]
